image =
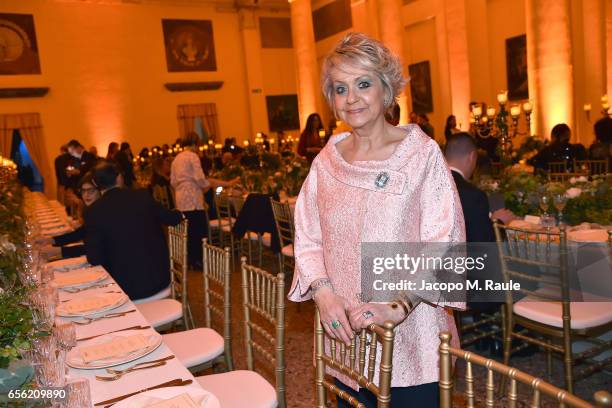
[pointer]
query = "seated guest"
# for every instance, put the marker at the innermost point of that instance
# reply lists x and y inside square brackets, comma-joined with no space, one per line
[125,234]
[124,160]
[601,149]
[462,155]
[161,180]
[560,149]
[89,194]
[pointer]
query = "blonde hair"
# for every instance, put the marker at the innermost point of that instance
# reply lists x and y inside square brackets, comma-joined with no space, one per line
[359,50]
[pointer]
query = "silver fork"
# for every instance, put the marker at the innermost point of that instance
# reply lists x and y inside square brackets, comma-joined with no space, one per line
[89,320]
[120,374]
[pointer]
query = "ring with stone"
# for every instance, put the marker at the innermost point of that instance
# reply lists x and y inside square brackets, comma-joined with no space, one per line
[367,314]
[336,324]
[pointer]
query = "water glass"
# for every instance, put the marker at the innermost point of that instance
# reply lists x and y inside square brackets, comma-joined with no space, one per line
[65,334]
[78,394]
[560,200]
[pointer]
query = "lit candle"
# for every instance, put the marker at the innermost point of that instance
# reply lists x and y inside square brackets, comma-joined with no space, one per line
[169,151]
[485,119]
[150,154]
[338,123]
[477,110]
[515,111]
[527,107]
[246,143]
[472,120]
[205,147]
[201,148]
[321,133]
[142,159]
[258,135]
[491,112]
[605,106]
[210,142]
[272,141]
[587,107]
[218,146]
[604,99]
[502,97]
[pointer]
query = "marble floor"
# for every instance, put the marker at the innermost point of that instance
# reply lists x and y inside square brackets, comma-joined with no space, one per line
[299,346]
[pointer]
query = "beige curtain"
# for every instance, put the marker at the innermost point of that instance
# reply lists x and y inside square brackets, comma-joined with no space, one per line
[30,129]
[6,139]
[207,112]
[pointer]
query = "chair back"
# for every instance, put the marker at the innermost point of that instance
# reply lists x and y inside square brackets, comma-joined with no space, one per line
[537,385]
[224,209]
[177,243]
[237,203]
[160,194]
[217,293]
[592,167]
[283,218]
[263,297]
[362,349]
[557,167]
[564,177]
[521,250]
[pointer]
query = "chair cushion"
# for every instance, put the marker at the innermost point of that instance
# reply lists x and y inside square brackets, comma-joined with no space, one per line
[287,250]
[215,223]
[161,312]
[196,346]
[266,238]
[255,391]
[163,294]
[584,314]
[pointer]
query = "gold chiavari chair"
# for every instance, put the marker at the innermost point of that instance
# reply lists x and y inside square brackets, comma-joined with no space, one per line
[592,167]
[160,194]
[538,386]
[353,364]
[283,218]
[262,240]
[540,261]
[177,243]
[224,222]
[263,301]
[564,177]
[203,347]
[557,167]
[483,326]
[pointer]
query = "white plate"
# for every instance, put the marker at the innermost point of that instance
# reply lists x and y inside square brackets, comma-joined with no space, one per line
[99,274]
[68,264]
[150,397]
[122,299]
[74,360]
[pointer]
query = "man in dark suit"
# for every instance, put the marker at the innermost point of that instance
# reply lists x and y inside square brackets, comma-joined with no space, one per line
[61,163]
[124,234]
[81,162]
[461,155]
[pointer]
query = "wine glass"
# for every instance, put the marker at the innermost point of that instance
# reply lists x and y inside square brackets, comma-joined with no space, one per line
[545,202]
[560,200]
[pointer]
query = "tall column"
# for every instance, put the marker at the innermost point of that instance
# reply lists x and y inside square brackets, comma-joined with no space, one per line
[549,60]
[609,45]
[305,58]
[594,49]
[392,35]
[252,54]
[458,58]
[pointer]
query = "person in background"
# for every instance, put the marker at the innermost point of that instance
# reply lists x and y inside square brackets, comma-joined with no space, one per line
[601,149]
[413,117]
[560,149]
[125,160]
[189,183]
[160,180]
[94,151]
[310,142]
[423,122]
[124,233]
[60,164]
[81,162]
[451,127]
[113,149]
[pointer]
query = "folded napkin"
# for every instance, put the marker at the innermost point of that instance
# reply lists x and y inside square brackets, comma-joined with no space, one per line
[89,303]
[180,401]
[523,225]
[115,347]
[79,277]
[68,264]
[588,235]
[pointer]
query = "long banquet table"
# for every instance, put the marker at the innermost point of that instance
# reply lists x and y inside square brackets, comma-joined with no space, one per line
[134,381]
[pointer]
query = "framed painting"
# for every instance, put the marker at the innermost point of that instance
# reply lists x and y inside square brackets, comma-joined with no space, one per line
[190,45]
[18,47]
[420,87]
[516,68]
[282,112]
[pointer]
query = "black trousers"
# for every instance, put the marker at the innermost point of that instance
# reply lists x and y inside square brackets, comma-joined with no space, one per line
[196,230]
[418,396]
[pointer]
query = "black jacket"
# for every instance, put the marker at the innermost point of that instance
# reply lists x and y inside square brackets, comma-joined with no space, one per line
[124,234]
[478,226]
[124,161]
[61,162]
[84,164]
